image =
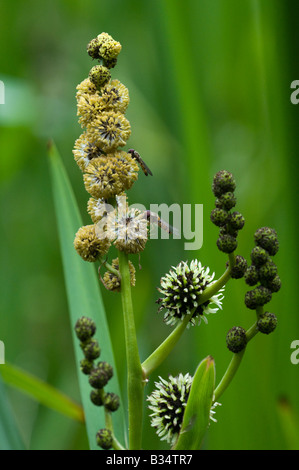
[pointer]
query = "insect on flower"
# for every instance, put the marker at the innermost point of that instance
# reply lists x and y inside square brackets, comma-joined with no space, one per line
[154,218]
[143,165]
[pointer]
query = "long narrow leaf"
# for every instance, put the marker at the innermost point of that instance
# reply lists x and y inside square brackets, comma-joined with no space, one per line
[197,412]
[84,297]
[41,392]
[10,438]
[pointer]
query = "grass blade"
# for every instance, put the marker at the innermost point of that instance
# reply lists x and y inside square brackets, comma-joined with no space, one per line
[84,297]
[9,434]
[41,392]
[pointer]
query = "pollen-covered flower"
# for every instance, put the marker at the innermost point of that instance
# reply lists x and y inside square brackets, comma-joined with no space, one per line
[88,108]
[168,402]
[182,289]
[86,86]
[110,130]
[115,96]
[85,150]
[110,175]
[112,281]
[127,227]
[88,245]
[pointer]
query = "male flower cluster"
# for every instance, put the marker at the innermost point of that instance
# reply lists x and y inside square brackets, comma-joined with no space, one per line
[107,170]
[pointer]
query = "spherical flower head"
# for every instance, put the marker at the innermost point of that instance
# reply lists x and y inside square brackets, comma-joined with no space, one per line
[226,201]
[112,282]
[259,256]
[104,438]
[99,75]
[219,216]
[86,366]
[110,130]
[257,297]
[266,238]
[236,339]
[251,275]
[93,48]
[267,323]
[223,182]
[167,403]
[100,375]
[88,108]
[273,285]
[85,150]
[86,87]
[227,243]
[111,401]
[267,271]
[108,47]
[85,328]
[97,397]
[98,209]
[110,175]
[236,221]
[240,267]
[88,245]
[129,230]
[114,97]
[91,349]
[182,289]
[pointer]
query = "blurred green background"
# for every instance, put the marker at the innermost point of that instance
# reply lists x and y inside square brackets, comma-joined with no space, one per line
[209,82]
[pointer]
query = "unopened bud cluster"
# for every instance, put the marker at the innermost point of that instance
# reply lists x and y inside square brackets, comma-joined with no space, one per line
[223,216]
[98,374]
[263,275]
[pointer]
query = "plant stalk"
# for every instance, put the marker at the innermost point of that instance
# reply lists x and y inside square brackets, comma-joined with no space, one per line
[135,379]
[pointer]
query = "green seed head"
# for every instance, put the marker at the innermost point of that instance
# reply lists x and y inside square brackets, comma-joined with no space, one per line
[226,201]
[257,297]
[236,339]
[223,182]
[267,323]
[266,238]
[251,275]
[240,267]
[227,243]
[111,401]
[259,256]
[91,349]
[85,328]
[99,76]
[104,438]
[219,217]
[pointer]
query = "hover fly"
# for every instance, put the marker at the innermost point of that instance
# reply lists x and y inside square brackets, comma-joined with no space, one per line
[137,157]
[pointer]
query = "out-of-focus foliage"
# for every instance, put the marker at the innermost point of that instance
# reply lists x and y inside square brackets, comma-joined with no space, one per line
[210,89]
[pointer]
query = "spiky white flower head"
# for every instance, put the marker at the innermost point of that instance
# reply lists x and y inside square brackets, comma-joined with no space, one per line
[182,289]
[168,402]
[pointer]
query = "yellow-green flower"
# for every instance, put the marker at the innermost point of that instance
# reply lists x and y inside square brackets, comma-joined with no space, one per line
[86,86]
[88,245]
[99,75]
[110,175]
[108,47]
[110,130]
[112,282]
[88,108]
[85,150]
[115,97]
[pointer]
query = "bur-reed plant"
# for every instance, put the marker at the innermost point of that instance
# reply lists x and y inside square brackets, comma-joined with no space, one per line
[181,407]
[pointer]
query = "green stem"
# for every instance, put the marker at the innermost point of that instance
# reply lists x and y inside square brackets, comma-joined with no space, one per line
[234,365]
[160,354]
[135,381]
[214,288]
[109,425]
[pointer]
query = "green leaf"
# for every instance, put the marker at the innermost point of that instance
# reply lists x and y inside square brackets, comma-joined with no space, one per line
[9,433]
[84,298]
[41,391]
[197,413]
